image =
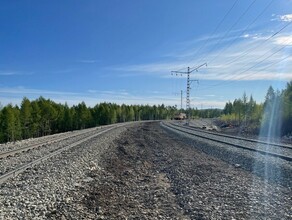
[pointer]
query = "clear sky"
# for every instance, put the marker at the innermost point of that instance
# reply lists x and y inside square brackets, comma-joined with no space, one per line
[124,51]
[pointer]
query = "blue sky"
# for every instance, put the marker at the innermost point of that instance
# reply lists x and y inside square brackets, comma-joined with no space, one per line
[124,51]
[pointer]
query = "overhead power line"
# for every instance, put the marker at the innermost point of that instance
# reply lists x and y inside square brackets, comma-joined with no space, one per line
[220,23]
[230,80]
[282,48]
[274,63]
[241,33]
[260,44]
[213,33]
[233,25]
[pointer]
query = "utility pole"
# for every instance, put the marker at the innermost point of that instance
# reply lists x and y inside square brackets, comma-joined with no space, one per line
[188,102]
[181,98]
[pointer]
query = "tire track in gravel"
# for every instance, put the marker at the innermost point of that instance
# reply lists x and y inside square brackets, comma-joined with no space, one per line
[150,174]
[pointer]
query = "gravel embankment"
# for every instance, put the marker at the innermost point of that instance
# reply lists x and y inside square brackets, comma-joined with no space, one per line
[141,172]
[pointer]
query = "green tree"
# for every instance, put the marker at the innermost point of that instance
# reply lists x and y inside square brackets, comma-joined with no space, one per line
[48,115]
[10,123]
[103,114]
[238,110]
[130,113]
[44,116]
[67,119]
[113,115]
[26,117]
[287,109]
[36,119]
[272,117]
[83,115]
[228,109]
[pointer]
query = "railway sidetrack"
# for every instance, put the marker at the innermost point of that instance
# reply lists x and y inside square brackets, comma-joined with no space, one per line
[273,167]
[286,150]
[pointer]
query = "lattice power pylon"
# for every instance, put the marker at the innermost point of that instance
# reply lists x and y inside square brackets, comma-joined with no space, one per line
[188,101]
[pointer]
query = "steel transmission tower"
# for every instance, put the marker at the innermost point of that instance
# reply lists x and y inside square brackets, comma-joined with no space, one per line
[188,101]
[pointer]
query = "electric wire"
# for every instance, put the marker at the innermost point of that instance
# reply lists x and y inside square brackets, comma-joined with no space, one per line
[215,30]
[282,48]
[231,80]
[286,43]
[253,48]
[210,36]
[233,25]
[241,33]
[260,44]
[237,77]
[274,63]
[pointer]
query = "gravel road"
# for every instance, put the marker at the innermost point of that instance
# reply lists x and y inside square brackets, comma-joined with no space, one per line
[141,172]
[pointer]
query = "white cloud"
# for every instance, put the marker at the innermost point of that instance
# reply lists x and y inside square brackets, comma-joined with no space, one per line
[13,73]
[284,40]
[255,36]
[91,97]
[8,73]
[150,68]
[208,104]
[87,61]
[26,91]
[248,59]
[92,91]
[61,71]
[287,17]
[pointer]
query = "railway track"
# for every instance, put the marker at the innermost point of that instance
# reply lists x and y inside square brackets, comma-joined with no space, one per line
[29,164]
[271,149]
[12,152]
[236,137]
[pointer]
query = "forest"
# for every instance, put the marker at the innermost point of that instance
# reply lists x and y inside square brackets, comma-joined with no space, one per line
[42,116]
[271,118]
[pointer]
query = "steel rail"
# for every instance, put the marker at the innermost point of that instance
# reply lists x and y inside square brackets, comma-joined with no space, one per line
[26,148]
[284,157]
[22,168]
[235,137]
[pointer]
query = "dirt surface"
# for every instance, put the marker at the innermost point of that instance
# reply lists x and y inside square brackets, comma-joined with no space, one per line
[150,174]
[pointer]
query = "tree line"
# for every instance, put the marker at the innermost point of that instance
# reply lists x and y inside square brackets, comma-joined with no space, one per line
[272,118]
[44,117]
